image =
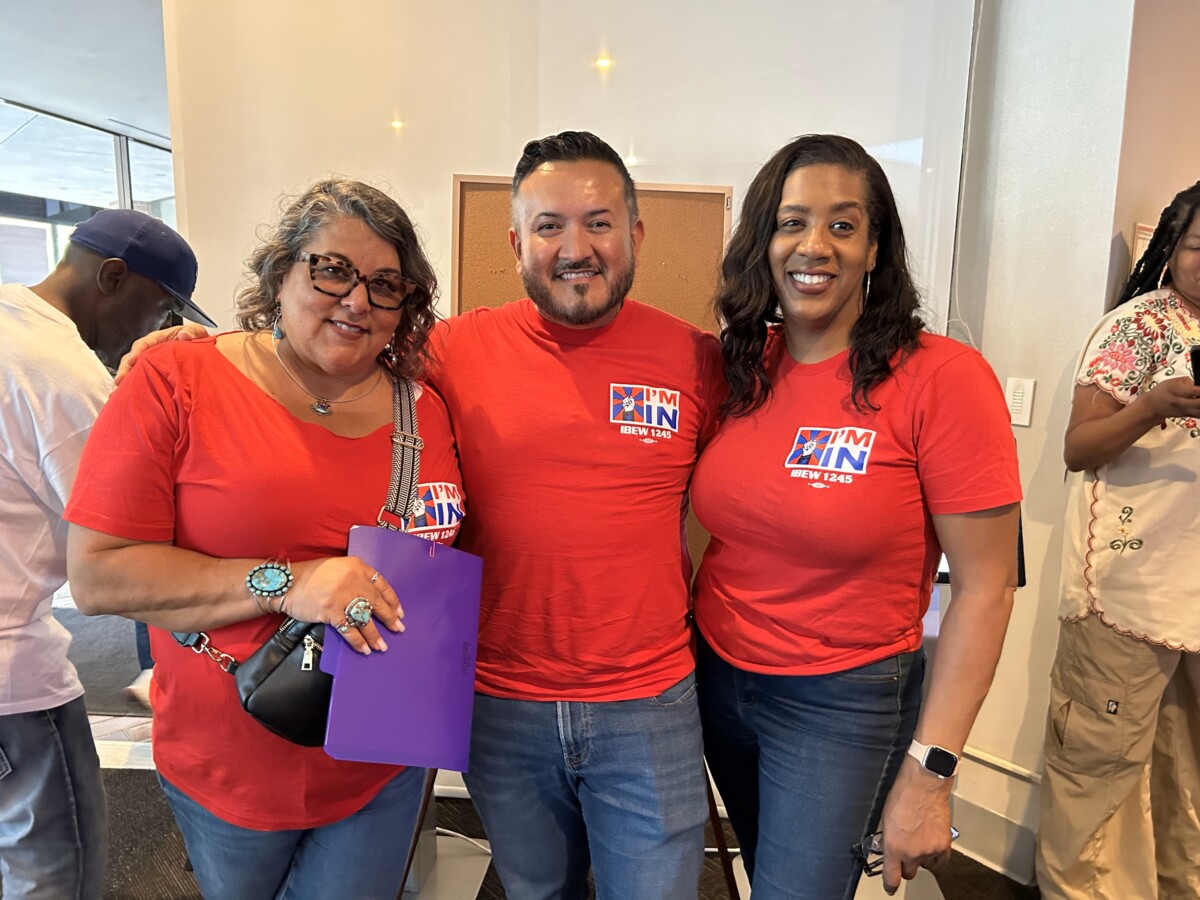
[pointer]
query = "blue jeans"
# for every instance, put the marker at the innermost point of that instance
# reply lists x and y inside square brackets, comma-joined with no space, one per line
[141,637]
[53,817]
[804,764]
[618,785]
[362,856]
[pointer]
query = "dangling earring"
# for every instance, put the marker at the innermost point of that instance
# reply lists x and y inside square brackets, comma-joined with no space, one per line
[1162,277]
[867,292]
[276,331]
[393,356]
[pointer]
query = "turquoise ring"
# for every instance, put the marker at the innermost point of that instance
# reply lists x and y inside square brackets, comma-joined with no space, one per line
[358,612]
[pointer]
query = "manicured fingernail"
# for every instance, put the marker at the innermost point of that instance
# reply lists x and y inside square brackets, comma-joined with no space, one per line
[381,645]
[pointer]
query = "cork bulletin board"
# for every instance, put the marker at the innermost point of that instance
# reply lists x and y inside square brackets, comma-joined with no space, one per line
[687,228]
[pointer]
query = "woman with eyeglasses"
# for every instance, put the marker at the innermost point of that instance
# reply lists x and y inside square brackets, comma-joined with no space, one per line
[857,448]
[215,495]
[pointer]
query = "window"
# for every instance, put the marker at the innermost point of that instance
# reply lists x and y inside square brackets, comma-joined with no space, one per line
[151,181]
[55,173]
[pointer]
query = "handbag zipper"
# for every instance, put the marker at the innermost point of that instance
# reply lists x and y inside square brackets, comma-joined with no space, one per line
[310,645]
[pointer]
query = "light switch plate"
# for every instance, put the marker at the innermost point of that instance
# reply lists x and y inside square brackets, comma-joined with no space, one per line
[1018,394]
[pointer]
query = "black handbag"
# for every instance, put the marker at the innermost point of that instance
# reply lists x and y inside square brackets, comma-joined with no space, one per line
[281,684]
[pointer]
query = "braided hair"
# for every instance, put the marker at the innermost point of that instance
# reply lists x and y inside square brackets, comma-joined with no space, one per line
[1151,270]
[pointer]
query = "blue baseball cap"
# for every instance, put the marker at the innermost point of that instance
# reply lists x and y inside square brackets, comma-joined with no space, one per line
[149,247]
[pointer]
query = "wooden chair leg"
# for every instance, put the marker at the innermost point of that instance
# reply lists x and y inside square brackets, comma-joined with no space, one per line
[430,777]
[714,818]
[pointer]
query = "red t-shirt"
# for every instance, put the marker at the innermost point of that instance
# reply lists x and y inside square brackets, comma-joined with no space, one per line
[823,551]
[190,451]
[577,446]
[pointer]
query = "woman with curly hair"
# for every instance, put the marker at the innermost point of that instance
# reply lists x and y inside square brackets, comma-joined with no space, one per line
[215,495]
[857,448]
[1118,808]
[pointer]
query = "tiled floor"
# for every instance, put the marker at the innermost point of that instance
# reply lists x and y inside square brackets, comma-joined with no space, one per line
[122,742]
[121,728]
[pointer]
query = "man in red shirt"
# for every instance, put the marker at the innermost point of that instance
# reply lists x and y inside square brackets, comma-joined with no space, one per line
[580,414]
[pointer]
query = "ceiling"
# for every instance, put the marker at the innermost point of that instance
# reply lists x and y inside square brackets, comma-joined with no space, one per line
[99,63]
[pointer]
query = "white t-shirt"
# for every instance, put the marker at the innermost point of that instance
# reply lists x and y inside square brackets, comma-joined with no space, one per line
[51,389]
[1133,525]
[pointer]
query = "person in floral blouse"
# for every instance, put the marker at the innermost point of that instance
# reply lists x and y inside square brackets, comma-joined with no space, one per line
[1118,807]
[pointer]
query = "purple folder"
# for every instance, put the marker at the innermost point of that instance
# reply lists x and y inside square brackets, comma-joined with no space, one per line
[411,705]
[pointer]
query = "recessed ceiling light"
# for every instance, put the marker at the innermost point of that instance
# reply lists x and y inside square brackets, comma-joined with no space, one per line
[603,62]
[397,124]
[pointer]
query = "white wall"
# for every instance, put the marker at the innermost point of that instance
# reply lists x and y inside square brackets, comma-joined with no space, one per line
[265,96]
[1040,185]
[1160,150]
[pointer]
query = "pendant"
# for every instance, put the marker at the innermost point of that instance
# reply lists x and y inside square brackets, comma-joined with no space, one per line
[321,407]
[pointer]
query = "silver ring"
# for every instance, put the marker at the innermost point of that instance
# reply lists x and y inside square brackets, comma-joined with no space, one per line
[358,612]
[343,628]
[374,578]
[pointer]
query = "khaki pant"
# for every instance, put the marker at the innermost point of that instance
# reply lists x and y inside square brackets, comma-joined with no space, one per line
[1121,783]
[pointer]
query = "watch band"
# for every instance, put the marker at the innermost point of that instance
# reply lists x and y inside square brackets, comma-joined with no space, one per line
[938,760]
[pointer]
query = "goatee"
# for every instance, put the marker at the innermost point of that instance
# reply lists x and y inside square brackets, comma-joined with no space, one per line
[579,313]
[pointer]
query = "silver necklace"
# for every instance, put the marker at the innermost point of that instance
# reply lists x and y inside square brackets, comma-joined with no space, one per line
[322,407]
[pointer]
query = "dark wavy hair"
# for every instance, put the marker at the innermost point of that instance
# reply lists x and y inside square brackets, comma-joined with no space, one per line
[1151,270]
[572,146]
[256,303]
[745,301]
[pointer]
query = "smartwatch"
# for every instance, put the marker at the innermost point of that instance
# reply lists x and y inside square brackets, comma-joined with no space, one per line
[938,760]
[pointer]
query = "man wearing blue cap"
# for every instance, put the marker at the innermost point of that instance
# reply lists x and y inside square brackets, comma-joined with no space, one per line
[122,275]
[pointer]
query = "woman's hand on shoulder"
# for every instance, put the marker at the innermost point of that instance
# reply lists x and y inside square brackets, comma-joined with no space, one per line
[153,339]
[323,589]
[915,824]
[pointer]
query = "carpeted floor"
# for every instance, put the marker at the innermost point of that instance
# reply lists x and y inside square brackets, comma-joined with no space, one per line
[105,656]
[146,859]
